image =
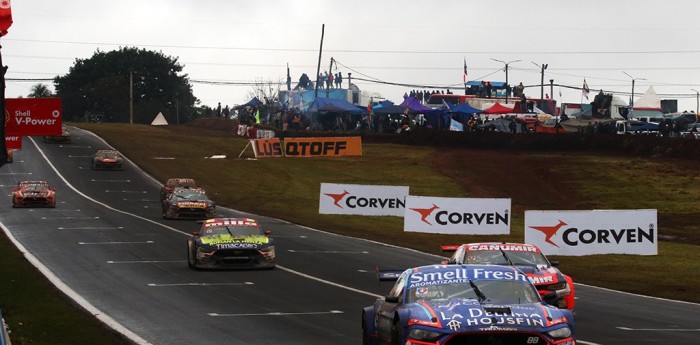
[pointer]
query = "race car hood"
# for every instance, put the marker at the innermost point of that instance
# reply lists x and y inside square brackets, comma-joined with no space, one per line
[468,315]
[228,241]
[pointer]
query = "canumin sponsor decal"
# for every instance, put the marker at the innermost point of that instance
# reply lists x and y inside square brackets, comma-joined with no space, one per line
[593,232]
[323,147]
[365,200]
[457,215]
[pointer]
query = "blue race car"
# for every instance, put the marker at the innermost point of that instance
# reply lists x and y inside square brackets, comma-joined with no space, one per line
[464,304]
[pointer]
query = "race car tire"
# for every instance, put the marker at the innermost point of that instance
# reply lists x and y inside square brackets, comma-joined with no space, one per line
[190,258]
[395,333]
[365,336]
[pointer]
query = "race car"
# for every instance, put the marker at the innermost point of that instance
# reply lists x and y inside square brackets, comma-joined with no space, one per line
[64,137]
[173,183]
[554,287]
[107,160]
[186,203]
[464,304]
[230,243]
[10,156]
[33,194]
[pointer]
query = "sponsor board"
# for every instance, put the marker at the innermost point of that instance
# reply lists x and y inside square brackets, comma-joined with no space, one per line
[364,200]
[457,215]
[33,116]
[323,147]
[267,148]
[13,142]
[578,233]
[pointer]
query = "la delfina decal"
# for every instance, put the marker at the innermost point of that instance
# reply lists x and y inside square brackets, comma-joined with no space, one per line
[457,215]
[578,233]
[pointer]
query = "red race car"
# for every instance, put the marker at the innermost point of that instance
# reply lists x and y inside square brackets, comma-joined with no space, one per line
[33,194]
[172,183]
[554,287]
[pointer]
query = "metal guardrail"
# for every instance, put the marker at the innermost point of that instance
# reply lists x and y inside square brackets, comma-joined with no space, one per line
[4,336]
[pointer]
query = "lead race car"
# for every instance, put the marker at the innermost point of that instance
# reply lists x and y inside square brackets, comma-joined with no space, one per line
[107,160]
[464,304]
[553,286]
[33,194]
[230,243]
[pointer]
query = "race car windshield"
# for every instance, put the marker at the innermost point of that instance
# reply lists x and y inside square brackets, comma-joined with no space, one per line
[190,194]
[497,257]
[495,291]
[232,230]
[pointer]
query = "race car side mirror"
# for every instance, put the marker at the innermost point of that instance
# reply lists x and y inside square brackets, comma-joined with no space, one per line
[267,232]
[392,299]
[554,263]
[195,233]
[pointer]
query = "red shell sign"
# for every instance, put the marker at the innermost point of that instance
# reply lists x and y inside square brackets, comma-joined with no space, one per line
[33,116]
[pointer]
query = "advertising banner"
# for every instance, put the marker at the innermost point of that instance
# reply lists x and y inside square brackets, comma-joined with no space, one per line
[468,216]
[364,200]
[323,147]
[267,148]
[13,142]
[578,233]
[33,116]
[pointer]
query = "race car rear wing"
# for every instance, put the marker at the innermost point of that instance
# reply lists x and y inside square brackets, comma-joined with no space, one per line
[449,247]
[388,275]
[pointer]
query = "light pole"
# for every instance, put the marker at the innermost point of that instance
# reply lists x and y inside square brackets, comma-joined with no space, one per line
[506,69]
[697,101]
[633,80]
[542,68]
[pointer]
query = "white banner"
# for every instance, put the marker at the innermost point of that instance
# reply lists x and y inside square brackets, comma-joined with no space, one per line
[364,200]
[457,215]
[579,233]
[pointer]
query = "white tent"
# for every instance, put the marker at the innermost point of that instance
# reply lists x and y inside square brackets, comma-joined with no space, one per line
[159,120]
[650,101]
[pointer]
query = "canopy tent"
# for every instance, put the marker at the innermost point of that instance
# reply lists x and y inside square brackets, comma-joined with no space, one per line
[159,120]
[328,105]
[388,108]
[498,108]
[415,107]
[255,102]
[465,109]
[649,101]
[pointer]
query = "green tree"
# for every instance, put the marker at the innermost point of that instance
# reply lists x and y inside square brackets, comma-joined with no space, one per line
[39,90]
[101,85]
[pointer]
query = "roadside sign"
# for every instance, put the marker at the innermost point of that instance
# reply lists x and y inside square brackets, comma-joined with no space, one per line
[13,142]
[33,116]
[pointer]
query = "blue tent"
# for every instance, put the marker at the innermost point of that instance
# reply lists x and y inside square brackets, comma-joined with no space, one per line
[415,106]
[255,102]
[465,109]
[332,105]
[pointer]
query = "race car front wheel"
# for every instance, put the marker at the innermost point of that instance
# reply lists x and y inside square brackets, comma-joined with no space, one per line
[191,261]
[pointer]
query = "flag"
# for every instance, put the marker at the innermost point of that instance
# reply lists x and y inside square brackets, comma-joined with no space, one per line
[447,106]
[369,106]
[586,90]
[257,116]
[5,16]
[456,126]
[465,70]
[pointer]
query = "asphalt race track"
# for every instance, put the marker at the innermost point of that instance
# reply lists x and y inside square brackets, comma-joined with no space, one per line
[109,248]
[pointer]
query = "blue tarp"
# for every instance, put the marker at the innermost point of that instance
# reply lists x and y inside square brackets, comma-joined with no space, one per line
[496,84]
[255,102]
[465,109]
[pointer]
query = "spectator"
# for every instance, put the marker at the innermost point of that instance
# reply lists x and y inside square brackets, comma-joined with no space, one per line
[340,80]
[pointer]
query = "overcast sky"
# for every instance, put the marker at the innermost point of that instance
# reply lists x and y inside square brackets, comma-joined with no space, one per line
[396,41]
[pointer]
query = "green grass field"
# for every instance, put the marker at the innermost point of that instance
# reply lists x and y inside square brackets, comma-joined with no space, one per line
[288,188]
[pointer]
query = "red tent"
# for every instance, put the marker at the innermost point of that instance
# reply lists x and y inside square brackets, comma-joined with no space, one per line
[498,108]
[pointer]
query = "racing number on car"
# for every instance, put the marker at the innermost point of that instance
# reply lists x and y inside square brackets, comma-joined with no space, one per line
[533,340]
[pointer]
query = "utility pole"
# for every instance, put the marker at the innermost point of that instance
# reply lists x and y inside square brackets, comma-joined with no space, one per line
[551,88]
[697,102]
[542,68]
[506,69]
[318,66]
[633,80]
[131,96]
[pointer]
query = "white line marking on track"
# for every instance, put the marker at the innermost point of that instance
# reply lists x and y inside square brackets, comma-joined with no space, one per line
[660,329]
[94,180]
[290,236]
[585,342]
[27,173]
[68,217]
[200,284]
[92,228]
[78,146]
[278,313]
[72,156]
[326,251]
[143,242]
[126,191]
[146,261]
